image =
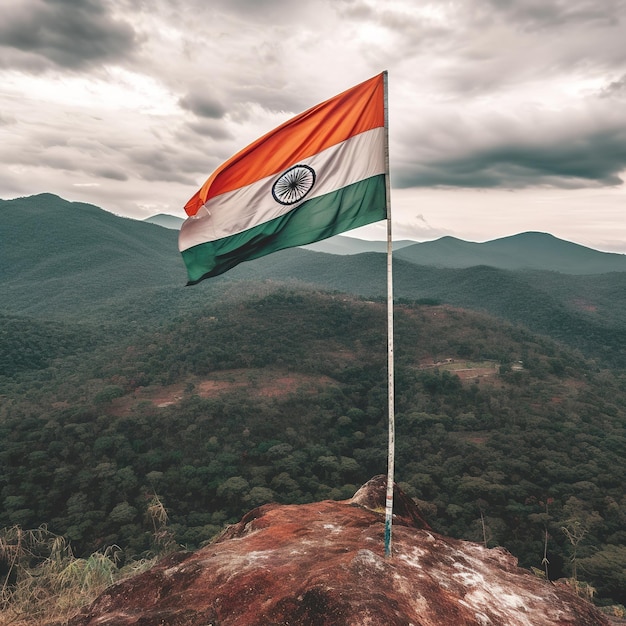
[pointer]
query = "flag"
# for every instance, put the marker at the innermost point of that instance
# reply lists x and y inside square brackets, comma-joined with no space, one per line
[320,173]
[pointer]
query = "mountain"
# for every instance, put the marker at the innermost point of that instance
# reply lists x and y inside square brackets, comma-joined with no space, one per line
[63,256]
[587,312]
[532,250]
[340,244]
[167,221]
[324,563]
[525,251]
[62,260]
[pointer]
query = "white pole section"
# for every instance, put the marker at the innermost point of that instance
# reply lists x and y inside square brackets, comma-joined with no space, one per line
[390,376]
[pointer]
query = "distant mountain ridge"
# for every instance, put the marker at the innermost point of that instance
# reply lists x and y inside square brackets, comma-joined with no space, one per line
[64,256]
[37,228]
[342,245]
[165,220]
[525,251]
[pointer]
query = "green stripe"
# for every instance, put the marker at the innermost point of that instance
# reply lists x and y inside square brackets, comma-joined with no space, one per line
[319,218]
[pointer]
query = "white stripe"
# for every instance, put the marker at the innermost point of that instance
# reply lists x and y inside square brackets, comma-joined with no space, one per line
[350,161]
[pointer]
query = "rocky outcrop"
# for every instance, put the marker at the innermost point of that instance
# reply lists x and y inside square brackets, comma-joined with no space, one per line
[323,564]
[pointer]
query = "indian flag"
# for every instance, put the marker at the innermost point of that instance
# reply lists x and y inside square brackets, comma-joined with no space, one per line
[320,173]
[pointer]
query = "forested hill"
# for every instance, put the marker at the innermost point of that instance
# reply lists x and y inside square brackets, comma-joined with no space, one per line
[273,394]
[63,257]
[529,250]
[532,250]
[63,260]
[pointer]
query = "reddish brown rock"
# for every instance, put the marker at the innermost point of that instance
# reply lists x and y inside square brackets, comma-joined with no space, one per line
[323,564]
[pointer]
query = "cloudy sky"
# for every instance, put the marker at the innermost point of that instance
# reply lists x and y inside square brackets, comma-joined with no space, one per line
[505,115]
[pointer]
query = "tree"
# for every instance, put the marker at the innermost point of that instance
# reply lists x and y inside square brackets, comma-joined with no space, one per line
[123,513]
[608,567]
[544,519]
[233,488]
[259,495]
[579,522]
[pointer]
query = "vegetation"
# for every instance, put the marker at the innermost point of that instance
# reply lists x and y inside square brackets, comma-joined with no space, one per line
[280,395]
[45,582]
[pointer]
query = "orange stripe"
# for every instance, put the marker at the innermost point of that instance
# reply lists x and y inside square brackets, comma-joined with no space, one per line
[354,111]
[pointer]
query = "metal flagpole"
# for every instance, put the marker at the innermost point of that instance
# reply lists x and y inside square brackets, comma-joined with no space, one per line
[390,377]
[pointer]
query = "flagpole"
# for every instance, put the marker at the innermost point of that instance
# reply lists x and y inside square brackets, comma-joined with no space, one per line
[390,360]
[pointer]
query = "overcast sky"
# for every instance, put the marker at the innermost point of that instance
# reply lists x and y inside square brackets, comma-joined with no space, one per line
[505,115]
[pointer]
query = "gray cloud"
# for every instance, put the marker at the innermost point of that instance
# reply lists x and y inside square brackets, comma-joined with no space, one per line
[255,11]
[158,164]
[271,98]
[7,120]
[412,35]
[71,34]
[616,88]
[110,173]
[542,14]
[515,169]
[203,105]
[210,128]
[484,46]
[576,153]
[55,159]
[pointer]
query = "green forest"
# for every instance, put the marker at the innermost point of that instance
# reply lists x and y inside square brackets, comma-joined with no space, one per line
[122,391]
[277,393]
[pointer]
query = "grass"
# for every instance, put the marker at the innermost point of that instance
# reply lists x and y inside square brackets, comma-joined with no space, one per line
[42,582]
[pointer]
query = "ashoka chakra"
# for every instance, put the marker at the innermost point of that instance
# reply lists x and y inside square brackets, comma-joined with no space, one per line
[294,184]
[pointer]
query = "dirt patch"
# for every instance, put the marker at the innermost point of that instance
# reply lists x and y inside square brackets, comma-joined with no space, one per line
[465,370]
[573,383]
[584,305]
[282,386]
[477,440]
[476,372]
[259,383]
[212,388]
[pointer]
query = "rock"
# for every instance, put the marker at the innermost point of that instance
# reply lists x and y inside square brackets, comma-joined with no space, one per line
[372,495]
[323,564]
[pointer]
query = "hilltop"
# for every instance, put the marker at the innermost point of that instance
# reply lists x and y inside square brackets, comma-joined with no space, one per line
[60,256]
[323,564]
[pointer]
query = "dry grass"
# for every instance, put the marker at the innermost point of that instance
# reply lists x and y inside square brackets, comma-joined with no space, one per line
[42,582]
